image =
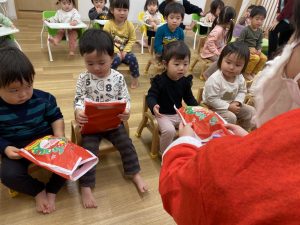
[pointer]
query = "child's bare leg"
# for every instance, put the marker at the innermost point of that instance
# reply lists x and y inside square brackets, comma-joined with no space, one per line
[140,183]
[87,197]
[41,202]
[134,83]
[51,199]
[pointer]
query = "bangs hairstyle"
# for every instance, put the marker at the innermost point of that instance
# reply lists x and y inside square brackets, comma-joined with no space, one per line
[14,66]
[95,39]
[71,1]
[239,48]
[258,10]
[176,49]
[214,5]
[105,1]
[296,19]
[151,2]
[122,4]
[174,7]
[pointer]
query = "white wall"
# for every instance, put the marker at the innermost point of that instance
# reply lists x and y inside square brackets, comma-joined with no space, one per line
[11,9]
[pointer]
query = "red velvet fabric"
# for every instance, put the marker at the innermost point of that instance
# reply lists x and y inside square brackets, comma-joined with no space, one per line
[236,180]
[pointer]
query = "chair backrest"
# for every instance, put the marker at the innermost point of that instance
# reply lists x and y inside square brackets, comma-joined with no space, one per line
[202,40]
[196,18]
[143,27]
[47,15]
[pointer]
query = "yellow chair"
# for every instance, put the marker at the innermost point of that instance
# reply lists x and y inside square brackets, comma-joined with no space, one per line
[149,121]
[204,63]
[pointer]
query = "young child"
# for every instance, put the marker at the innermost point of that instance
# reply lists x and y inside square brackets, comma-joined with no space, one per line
[66,14]
[188,8]
[26,114]
[169,89]
[5,40]
[101,83]
[170,31]
[215,8]
[252,35]
[225,90]
[245,19]
[123,33]
[99,11]
[216,40]
[152,18]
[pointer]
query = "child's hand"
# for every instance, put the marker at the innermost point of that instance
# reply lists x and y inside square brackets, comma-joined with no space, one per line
[99,10]
[156,111]
[12,152]
[252,51]
[125,115]
[80,117]
[123,54]
[234,107]
[258,52]
[236,129]
[186,130]
[73,23]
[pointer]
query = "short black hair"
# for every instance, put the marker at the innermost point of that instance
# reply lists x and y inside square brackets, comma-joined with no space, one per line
[174,7]
[237,47]
[94,0]
[296,19]
[71,1]
[258,10]
[14,66]
[214,5]
[123,4]
[148,2]
[95,39]
[250,7]
[175,49]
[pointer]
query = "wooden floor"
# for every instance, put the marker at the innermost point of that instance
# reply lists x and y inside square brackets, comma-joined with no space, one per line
[118,199]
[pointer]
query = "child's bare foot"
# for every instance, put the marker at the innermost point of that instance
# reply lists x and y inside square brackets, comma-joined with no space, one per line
[87,198]
[41,202]
[52,41]
[134,83]
[51,200]
[140,183]
[71,53]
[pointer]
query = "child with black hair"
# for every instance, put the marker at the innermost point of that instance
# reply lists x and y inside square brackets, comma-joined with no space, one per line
[188,8]
[171,31]
[219,36]
[123,33]
[252,35]
[169,89]
[215,8]
[100,83]
[152,18]
[66,14]
[244,20]
[26,114]
[225,90]
[99,11]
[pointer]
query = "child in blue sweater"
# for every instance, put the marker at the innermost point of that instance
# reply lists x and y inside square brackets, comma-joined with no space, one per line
[174,14]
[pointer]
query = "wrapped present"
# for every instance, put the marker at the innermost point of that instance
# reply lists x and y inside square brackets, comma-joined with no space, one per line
[102,116]
[206,123]
[60,156]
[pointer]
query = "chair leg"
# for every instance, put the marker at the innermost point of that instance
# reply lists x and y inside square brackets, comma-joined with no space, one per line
[194,64]
[49,50]
[154,144]
[141,126]
[195,38]
[148,66]
[142,43]
[42,36]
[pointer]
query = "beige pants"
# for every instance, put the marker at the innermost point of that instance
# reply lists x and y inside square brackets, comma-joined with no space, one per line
[167,127]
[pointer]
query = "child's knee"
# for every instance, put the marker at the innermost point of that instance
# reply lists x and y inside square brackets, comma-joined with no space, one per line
[169,132]
[231,117]
[255,58]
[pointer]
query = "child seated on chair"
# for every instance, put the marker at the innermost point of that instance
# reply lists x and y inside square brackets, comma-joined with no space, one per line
[225,90]
[152,18]
[169,89]
[171,31]
[252,35]
[188,8]
[66,14]
[245,19]
[99,11]
[124,37]
[220,34]
[26,114]
[5,40]
[102,84]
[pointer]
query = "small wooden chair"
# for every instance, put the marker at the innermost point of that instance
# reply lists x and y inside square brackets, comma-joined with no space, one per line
[149,121]
[205,63]
[105,146]
[153,61]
